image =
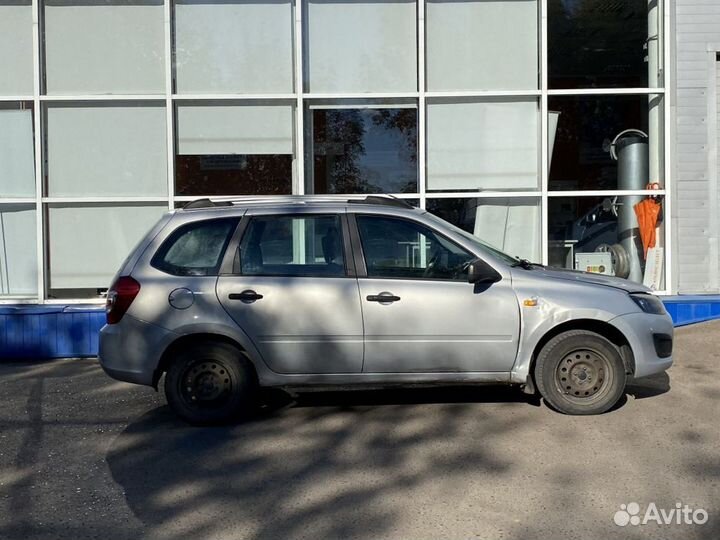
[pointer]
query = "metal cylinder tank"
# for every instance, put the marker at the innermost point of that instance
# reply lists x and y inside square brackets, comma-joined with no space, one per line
[633,173]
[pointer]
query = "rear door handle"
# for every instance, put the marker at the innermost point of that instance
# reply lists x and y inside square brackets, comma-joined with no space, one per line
[245,296]
[383,297]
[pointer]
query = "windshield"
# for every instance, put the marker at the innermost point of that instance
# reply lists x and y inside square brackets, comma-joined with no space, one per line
[504,257]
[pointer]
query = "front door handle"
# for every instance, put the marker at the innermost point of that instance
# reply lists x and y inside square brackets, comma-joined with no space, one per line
[383,298]
[245,296]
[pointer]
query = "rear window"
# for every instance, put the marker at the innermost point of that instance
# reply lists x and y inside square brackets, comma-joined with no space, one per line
[195,249]
[308,245]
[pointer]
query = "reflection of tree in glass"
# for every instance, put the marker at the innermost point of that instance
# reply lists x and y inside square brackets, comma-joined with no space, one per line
[338,146]
[459,212]
[405,121]
[365,150]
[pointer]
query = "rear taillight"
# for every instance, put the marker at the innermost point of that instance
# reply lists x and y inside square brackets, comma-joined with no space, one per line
[119,297]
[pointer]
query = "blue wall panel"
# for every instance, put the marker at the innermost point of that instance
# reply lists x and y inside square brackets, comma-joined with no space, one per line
[50,331]
[692,309]
[72,331]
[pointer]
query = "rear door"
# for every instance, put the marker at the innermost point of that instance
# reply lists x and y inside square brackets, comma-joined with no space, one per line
[293,291]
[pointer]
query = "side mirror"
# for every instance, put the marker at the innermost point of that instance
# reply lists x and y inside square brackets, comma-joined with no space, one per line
[481,272]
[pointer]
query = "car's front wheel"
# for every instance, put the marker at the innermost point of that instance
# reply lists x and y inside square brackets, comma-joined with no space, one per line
[210,383]
[580,372]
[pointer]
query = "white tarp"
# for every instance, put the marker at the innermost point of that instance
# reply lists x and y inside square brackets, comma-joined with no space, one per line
[510,224]
[107,150]
[486,145]
[228,129]
[16,77]
[100,47]
[89,242]
[482,45]
[17,167]
[234,47]
[362,46]
[18,250]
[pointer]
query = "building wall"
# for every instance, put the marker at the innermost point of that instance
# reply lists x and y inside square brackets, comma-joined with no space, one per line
[496,115]
[697,204]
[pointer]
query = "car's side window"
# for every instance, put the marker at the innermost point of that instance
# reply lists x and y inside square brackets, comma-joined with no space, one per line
[398,248]
[293,246]
[195,249]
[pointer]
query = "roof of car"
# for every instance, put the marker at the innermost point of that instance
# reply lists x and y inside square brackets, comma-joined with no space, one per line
[285,200]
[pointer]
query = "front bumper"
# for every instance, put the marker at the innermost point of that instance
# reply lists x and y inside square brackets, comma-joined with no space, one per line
[131,349]
[650,338]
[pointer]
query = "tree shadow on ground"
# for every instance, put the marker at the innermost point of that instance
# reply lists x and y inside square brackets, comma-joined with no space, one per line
[319,465]
[330,464]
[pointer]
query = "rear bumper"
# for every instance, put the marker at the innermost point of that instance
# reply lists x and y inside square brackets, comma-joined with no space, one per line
[135,377]
[650,338]
[131,349]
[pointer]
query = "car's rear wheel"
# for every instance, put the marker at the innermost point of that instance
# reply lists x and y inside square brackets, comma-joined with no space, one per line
[210,383]
[580,372]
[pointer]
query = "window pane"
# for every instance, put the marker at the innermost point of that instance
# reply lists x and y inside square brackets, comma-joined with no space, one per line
[88,242]
[490,144]
[363,151]
[397,248]
[16,47]
[509,224]
[603,44]
[586,127]
[234,46]
[469,46]
[235,129]
[195,249]
[18,254]
[99,47]
[104,150]
[361,46]
[234,150]
[603,235]
[289,246]
[17,158]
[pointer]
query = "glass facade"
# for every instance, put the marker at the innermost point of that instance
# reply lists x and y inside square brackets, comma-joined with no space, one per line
[469,46]
[229,148]
[595,44]
[363,150]
[537,125]
[487,144]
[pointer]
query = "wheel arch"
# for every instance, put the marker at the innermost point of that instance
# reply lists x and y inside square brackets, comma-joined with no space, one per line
[603,328]
[192,339]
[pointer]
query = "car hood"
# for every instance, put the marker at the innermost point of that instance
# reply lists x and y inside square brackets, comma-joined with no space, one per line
[593,279]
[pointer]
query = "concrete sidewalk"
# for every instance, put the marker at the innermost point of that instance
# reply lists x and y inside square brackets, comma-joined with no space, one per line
[83,456]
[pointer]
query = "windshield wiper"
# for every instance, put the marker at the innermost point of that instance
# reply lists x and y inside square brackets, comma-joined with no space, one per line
[524,263]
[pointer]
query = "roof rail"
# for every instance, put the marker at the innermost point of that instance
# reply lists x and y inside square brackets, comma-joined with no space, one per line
[386,200]
[205,203]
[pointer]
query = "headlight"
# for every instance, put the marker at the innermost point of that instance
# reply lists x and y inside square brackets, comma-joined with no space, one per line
[649,303]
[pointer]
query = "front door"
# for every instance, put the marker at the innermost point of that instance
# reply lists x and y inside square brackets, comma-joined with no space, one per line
[420,313]
[292,293]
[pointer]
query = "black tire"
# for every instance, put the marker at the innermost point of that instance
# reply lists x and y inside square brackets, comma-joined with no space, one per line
[210,383]
[580,372]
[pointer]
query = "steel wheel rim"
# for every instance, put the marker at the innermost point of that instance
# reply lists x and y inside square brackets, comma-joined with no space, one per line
[583,375]
[206,384]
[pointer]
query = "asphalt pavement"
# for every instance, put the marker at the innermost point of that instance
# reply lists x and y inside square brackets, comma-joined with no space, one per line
[84,456]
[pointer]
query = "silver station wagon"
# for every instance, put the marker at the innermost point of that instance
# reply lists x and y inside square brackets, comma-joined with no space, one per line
[227,296]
